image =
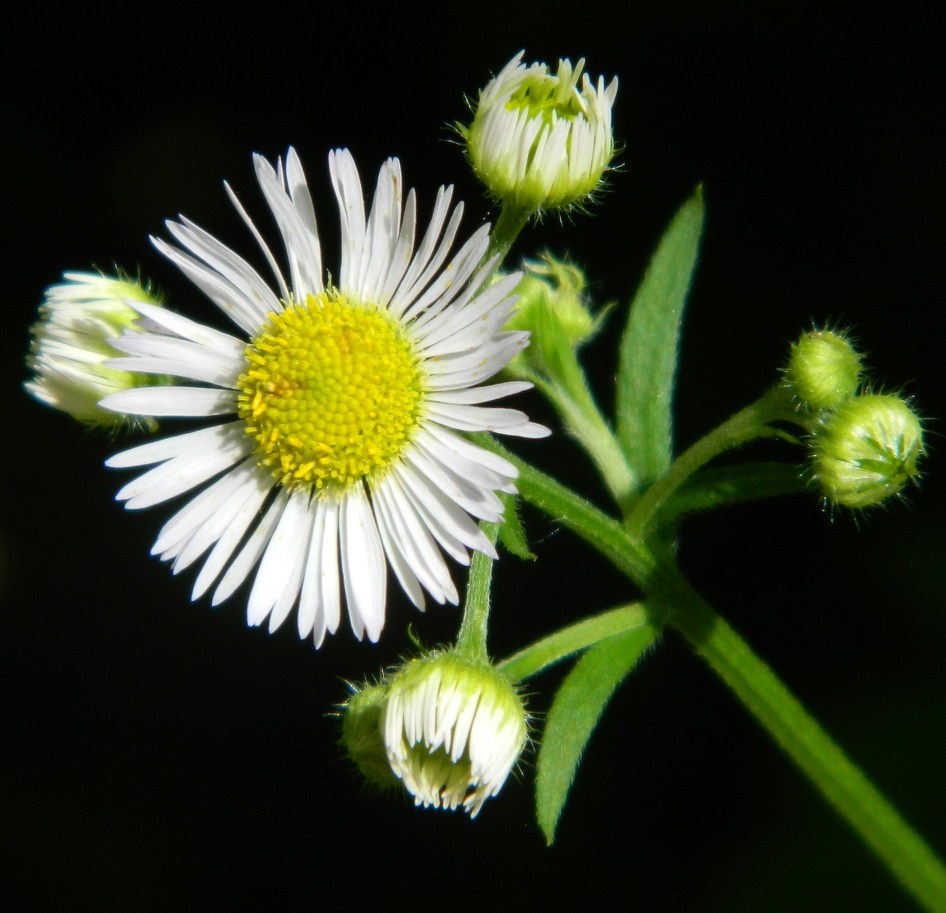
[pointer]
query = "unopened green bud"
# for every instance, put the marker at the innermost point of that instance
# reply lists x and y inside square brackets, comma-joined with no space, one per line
[538,140]
[867,450]
[824,369]
[553,291]
[453,730]
[361,734]
[71,346]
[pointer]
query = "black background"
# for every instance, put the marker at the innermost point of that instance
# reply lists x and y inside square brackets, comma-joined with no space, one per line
[162,756]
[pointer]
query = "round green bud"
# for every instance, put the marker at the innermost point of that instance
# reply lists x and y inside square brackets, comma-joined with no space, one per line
[453,729]
[867,450]
[552,299]
[824,369]
[361,735]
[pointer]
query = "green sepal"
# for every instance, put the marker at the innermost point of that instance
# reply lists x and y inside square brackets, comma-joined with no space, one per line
[512,533]
[648,357]
[575,712]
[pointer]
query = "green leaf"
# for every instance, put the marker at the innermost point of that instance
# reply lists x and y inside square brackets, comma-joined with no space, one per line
[648,358]
[731,484]
[575,712]
[512,534]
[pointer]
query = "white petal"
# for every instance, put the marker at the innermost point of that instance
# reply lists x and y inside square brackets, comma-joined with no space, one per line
[179,325]
[175,402]
[363,566]
[233,529]
[185,359]
[450,372]
[300,241]
[225,295]
[474,499]
[395,556]
[279,576]
[484,394]
[167,448]
[233,268]
[246,560]
[182,473]
[416,542]
[199,509]
[475,418]
[351,211]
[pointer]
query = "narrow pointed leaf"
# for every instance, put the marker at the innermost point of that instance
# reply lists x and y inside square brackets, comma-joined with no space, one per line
[512,534]
[575,712]
[648,358]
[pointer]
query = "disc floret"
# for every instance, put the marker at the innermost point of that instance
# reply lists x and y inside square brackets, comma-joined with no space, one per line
[332,392]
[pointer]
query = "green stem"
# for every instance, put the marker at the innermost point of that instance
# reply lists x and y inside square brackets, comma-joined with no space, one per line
[669,595]
[508,226]
[840,781]
[587,425]
[571,640]
[746,425]
[471,640]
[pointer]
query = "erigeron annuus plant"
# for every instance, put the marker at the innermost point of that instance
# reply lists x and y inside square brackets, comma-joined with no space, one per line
[347,429]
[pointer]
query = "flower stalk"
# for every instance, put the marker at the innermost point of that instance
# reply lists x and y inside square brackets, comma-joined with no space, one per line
[673,603]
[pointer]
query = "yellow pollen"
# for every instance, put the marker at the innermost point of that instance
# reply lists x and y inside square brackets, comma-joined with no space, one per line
[331,393]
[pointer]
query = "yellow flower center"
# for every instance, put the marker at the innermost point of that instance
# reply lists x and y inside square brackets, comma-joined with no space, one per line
[332,392]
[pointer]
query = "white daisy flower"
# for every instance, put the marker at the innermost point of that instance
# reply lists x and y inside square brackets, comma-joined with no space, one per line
[341,452]
[539,139]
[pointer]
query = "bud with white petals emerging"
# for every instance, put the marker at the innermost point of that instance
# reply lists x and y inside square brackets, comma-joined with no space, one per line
[538,140]
[453,729]
[867,450]
[71,346]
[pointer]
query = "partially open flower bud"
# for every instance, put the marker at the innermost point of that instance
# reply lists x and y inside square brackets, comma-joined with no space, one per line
[867,450]
[824,369]
[538,140]
[71,346]
[453,730]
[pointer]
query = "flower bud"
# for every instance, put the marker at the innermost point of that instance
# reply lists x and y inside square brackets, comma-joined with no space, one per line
[867,450]
[553,289]
[71,346]
[361,734]
[540,141]
[824,369]
[453,730]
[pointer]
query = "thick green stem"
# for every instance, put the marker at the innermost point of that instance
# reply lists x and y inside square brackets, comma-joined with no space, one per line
[841,782]
[471,641]
[672,601]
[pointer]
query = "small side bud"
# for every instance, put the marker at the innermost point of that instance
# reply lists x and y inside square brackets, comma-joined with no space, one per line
[552,306]
[538,140]
[867,450]
[555,287]
[453,730]
[70,346]
[824,369]
[361,735]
